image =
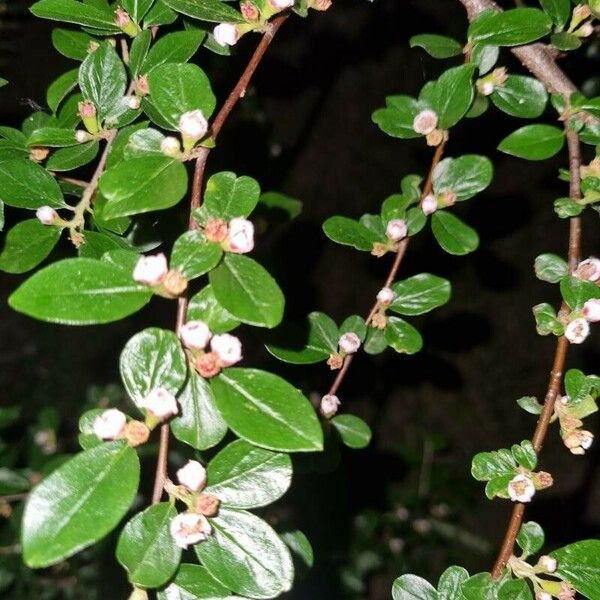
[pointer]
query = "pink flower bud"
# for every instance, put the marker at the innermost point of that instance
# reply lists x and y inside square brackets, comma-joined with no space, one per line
[192,476]
[249,11]
[567,591]
[425,122]
[193,125]
[329,405]
[385,295]
[281,4]
[521,488]
[208,364]
[87,109]
[581,11]
[547,563]
[228,348]
[122,18]
[141,85]
[216,230]
[170,146]
[110,424]
[133,102]
[240,237]
[349,342]
[161,403]
[485,87]
[591,310]
[449,198]
[396,230]
[189,528]
[151,270]
[429,204]
[195,335]
[46,215]
[226,34]
[83,136]
[588,269]
[577,330]
[585,30]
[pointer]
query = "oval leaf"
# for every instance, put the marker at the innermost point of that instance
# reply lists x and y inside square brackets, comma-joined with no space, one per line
[420,294]
[534,142]
[27,244]
[194,582]
[24,184]
[454,236]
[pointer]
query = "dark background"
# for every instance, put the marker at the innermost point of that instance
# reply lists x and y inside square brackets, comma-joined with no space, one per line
[305,129]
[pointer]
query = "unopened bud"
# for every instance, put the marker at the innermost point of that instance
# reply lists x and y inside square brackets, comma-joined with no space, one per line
[208,364]
[46,215]
[429,204]
[281,4]
[379,249]
[577,331]
[207,505]
[425,122]
[193,126]
[448,199]
[189,528]
[585,30]
[110,424]
[216,230]
[133,102]
[547,563]
[175,283]
[142,88]
[385,295]
[329,405]
[319,4]
[125,24]
[249,11]
[136,433]
[396,230]
[521,488]
[192,476]
[87,112]
[161,403]
[581,12]
[170,146]
[92,47]
[195,335]
[226,34]
[151,270]
[83,136]
[228,348]
[240,236]
[541,595]
[349,342]
[588,269]
[485,87]
[591,310]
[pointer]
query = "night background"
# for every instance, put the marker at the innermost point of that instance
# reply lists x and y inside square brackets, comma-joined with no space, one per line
[407,503]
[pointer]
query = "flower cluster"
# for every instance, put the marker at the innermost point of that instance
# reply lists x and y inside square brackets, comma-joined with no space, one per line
[544,588]
[153,270]
[522,487]
[236,236]
[570,416]
[578,327]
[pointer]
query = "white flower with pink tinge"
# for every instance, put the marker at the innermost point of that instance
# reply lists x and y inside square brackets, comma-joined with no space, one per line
[396,230]
[282,4]
[226,34]
[192,476]
[193,125]
[46,215]
[349,342]
[195,335]
[429,204]
[110,424]
[577,331]
[228,348]
[161,403]
[425,122]
[240,236]
[385,295]
[591,310]
[189,528]
[588,269]
[329,405]
[521,488]
[151,270]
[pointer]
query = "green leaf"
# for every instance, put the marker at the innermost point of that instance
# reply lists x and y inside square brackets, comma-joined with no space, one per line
[159,14]
[146,548]
[576,292]
[280,203]
[13,483]
[267,411]
[247,291]
[143,185]
[72,11]
[199,424]
[402,337]
[438,46]
[176,47]
[375,342]
[348,232]
[205,307]
[355,433]
[354,324]
[481,587]
[50,137]
[244,476]
[530,538]
[566,208]
[521,96]
[514,589]
[79,503]
[566,41]
[485,57]
[397,118]
[138,51]
[486,465]
[298,543]
[97,244]
[80,291]
[228,196]
[24,184]
[510,28]
[411,587]
[142,143]
[263,565]
[420,294]
[152,359]
[27,244]
[450,583]
[103,79]
[60,88]
[454,236]
[533,142]
[579,564]
[558,10]
[465,176]
[194,582]
[70,43]
[179,88]
[68,159]
[530,404]
[524,454]
[207,10]
[193,255]
[550,268]
[546,321]
[137,9]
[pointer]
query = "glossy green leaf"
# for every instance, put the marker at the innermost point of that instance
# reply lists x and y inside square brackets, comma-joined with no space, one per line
[52,137]
[481,587]
[71,43]
[521,96]
[263,565]
[24,184]
[12,482]
[80,291]
[138,51]
[485,57]
[152,359]
[247,291]
[454,236]
[402,337]
[26,245]
[530,404]
[546,321]
[397,118]
[137,9]
[193,255]
[510,28]
[438,46]
[348,232]
[354,324]
[450,583]
[244,476]
[79,503]
[579,564]
[420,294]
[267,411]
[558,10]
[515,589]
[97,244]
[576,292]
[355,433]
[205,307]
[375,342]
[276,202]
[176,47]
[60,88]
[530,538]
[207,10]
[194,582]
[146,548]
[524,454]
[228,196]
[466,176]
[79,13]
[411,587]
[199,423]
[550,268]
[534,142]
[142,143]
[68,159]
[486,465]
[299,544]
[566,41]
[160,14]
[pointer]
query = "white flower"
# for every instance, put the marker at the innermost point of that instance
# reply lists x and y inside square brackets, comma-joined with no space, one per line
[282,4]
[240,235]
[577,330]
[161,403]
[547,563]
[425,122]
[585,30]
[192,476]
[170,146]
[193,125]
[189,528]
[591,310]
[486,88]
[226,34]
[151,269]
[589,269]
[385,295]
[586,439]
[83,136]
[46,215]
[349,342]
[541,595]
[195,335]
[110,424]
[429,204]
[228,348]
[133,102]
[329,405]
[396,230]
[521,488]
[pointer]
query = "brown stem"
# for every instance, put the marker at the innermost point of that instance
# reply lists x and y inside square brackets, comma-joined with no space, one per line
[195,201]
[560,355]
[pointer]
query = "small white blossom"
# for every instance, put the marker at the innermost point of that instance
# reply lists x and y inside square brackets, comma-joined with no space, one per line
[425,122]
[192,476]
[83,136]
[151,269]
[195,335]
[385,295]
[46,215]
[349,342]
[161,403]
[577,330]
[329,405]
[396,230]
[486,88]
[591,310]
[541,595]
[521,488]
[226,34]
[110,424]
[429,204]
[189,528]
[170,146]
[588,269]
[240,235]
[228,348]
[547,563]
[282,4]
[193,125]
[585,30]
[133,102]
